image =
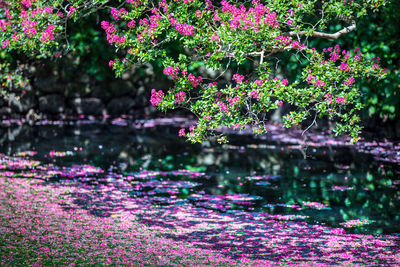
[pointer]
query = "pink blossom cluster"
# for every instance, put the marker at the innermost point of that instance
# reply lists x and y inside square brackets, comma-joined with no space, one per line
[215,37]
[344,67]
[156,97]
[71,11]
[163,4]
[350,81]
[335,54]
[182,132]
[311,79]
[185,29]
[284,82]
[133,2]
[195,81]
[287,41]
[117,14]
[238,78]
[283,40]
[26,3]
[4,24]
[233,100]
[319,83]
[180,97]
[259,82]
[47,35]
[111,36]
[341,100]
[30,27]
[37,12]
[222,107]
[244,19]
[150,25]
[5,44]
[328,98]
[108,27]
[254,94]
[111,63]
[171,72]
[131,24]
[198,14]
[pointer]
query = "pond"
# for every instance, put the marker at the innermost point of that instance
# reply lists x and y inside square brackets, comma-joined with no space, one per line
[227,195]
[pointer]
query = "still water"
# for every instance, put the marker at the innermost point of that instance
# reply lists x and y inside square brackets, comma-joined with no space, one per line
[331,186]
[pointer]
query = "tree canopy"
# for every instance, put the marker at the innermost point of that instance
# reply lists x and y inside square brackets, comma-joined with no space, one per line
[225,37]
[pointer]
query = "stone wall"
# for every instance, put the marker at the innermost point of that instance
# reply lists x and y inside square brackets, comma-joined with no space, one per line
[56,92]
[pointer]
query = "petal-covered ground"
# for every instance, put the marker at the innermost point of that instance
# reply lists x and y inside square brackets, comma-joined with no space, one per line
[96,217]
[36,231]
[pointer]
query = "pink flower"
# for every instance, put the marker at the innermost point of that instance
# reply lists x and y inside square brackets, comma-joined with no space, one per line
[215,37]
[137,2]
[222,107]
[259,82]
[198,14]
[131,24]
[341,100]
[328,98]
[5,43]
[118,13]
[319,83]
[195,81]
[184,29]
[344,67]
[280,103]
[254,94]
[71,11]
[238,78]
[156,97]
[48,34]
[350,81]
[180,97]
[171,72]
[182,133]
[233,100]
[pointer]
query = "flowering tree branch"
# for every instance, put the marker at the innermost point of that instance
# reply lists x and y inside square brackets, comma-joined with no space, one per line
[210,33]
[332,36]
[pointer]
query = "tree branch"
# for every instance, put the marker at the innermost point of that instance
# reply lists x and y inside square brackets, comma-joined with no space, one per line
[324,35]
[261,53]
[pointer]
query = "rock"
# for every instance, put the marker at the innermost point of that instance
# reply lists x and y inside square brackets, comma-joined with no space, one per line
[88,106]
[397,129]
[142,99]
[23,104]
[161,83]
[120,88]
[100,92]
[74,89]
[51,103]
[3,102]
[48,85]
[5,111]
[121,105]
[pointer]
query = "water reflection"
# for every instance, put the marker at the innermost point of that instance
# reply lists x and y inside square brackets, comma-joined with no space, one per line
[331,186]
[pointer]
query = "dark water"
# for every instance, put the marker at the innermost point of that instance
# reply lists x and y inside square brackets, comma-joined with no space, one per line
[330,186]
